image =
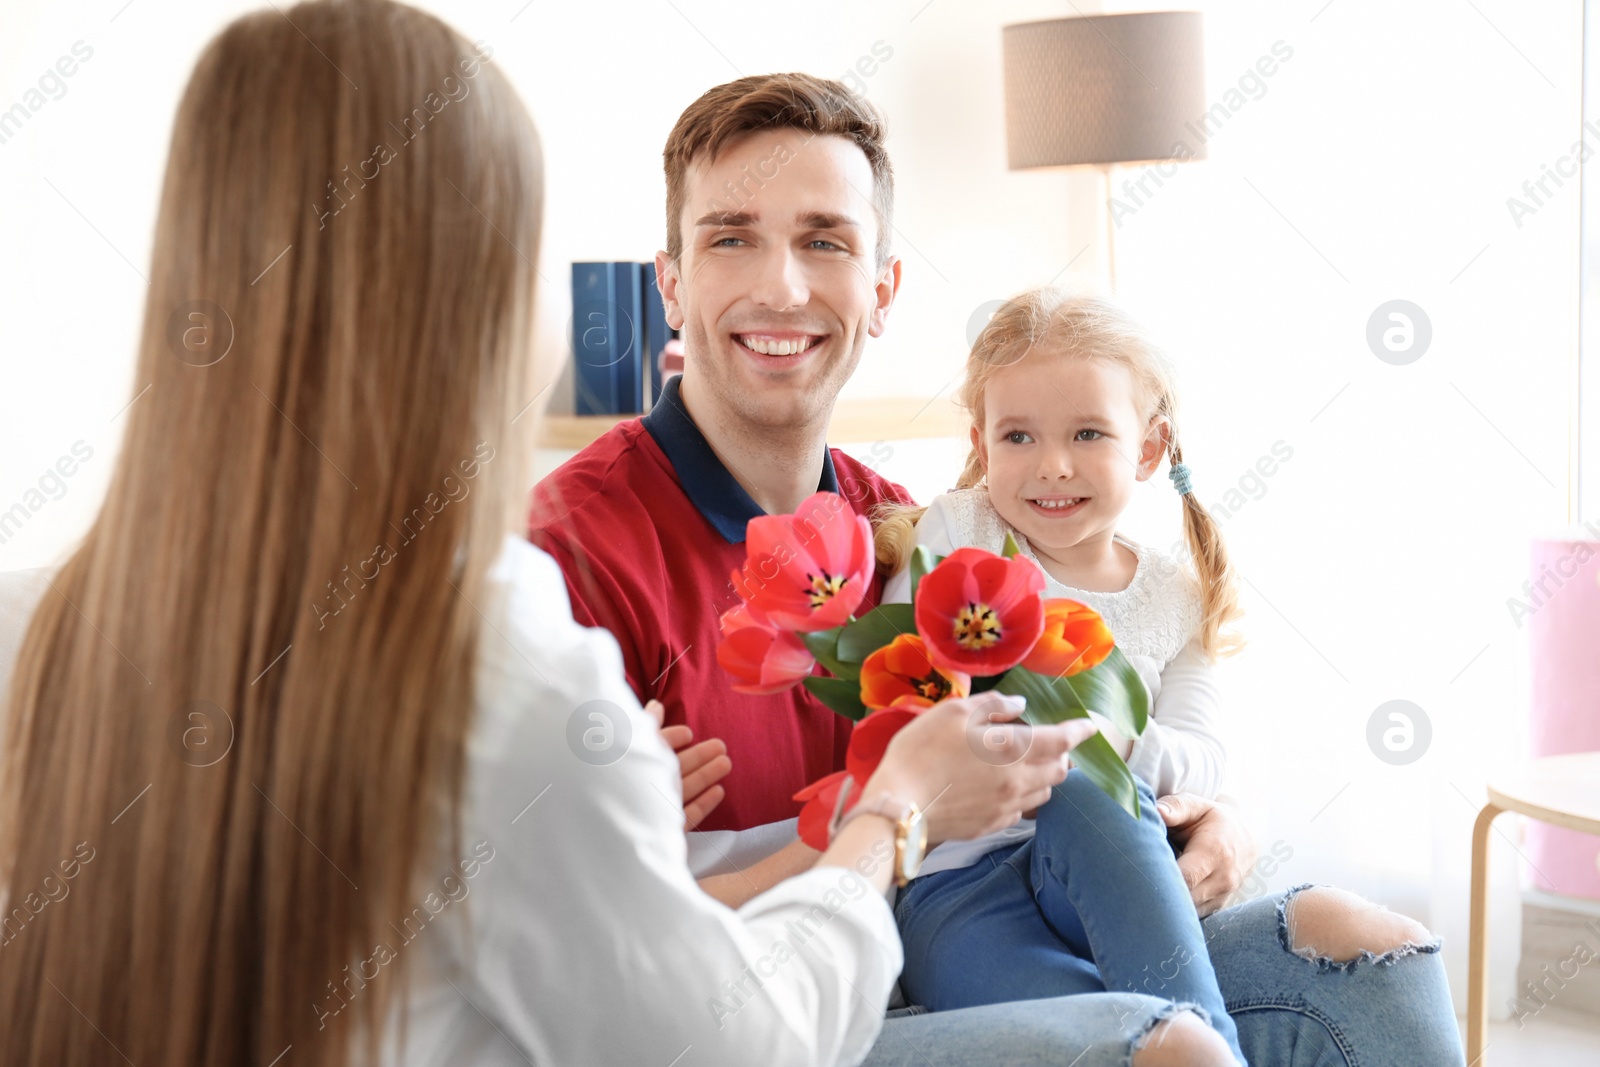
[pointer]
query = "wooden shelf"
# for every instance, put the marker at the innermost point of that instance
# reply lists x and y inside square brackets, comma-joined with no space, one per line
[889,418]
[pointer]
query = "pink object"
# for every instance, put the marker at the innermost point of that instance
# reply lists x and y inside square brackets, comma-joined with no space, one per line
[1564,662]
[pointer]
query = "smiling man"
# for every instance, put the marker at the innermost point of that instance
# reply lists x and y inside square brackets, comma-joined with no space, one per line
[777,270]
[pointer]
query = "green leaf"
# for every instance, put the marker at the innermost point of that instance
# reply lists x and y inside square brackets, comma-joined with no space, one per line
[1010,548]
[1115,690]
[1052,700]
[824,644]
[874,630]
[841,695]
[922,561]
[1047,703]
[1096,758]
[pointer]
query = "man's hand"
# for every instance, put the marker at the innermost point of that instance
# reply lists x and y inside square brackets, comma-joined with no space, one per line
[1217,847]
[702,766]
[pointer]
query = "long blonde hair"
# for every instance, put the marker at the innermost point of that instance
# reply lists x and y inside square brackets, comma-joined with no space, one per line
[235,732]
[1059,323]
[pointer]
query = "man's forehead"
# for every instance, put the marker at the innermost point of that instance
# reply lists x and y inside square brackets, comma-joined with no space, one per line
[821,161]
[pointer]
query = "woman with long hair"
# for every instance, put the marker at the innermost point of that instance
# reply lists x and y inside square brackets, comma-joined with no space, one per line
[305,760]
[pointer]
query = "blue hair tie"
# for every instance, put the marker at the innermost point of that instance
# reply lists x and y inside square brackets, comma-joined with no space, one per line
[1180,478]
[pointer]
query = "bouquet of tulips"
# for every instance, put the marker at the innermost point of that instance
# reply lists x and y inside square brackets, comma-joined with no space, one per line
[977,621]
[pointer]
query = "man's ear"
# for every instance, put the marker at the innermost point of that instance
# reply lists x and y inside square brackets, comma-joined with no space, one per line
[669,282]
[1157,440]
[888,285]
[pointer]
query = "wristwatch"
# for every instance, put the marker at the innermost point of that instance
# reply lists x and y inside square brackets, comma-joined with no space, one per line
[910,832]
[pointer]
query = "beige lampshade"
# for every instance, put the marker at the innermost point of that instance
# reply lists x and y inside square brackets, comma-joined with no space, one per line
[1105,89]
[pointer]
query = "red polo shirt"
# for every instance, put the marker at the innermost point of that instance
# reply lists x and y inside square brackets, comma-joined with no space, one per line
[647,525]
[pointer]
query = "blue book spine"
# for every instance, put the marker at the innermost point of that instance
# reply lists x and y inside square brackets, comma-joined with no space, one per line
[656,331]
[594,340]
[628,331]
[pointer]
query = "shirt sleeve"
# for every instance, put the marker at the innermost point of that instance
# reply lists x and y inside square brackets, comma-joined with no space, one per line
[591,941]
[1181,750]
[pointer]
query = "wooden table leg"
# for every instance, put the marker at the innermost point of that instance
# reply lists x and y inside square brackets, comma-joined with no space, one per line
[1478,943]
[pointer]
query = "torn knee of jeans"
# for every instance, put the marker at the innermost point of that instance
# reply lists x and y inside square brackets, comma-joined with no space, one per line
[1168,1011]
[1338,930]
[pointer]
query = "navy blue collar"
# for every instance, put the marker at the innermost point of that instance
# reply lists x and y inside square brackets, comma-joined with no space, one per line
[715,492]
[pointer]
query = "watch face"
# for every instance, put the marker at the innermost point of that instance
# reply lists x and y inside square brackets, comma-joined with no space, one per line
[915,848]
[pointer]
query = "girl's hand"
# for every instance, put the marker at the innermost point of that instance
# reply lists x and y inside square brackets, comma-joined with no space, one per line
[970,769]
[701,767]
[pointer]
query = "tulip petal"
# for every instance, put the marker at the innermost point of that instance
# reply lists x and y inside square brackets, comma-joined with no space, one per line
[764,660]
[811,570]
[902,672]
[1075,639]
[980,613]
[818,811]
[871,737]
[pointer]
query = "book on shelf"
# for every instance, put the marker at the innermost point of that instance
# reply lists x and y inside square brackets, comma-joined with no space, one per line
[619,336]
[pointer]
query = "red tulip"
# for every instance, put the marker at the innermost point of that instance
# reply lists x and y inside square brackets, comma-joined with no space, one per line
[810,570]
[980,613]
[1075,639]
[820,798]
[763,660]
[738,617]
[900,673]
[868,742]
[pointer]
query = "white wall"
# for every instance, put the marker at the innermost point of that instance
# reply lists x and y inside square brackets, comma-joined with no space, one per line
[1374,164]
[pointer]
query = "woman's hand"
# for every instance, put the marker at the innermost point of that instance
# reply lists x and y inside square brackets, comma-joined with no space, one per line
[970,769]
[1217,847]
[701,766]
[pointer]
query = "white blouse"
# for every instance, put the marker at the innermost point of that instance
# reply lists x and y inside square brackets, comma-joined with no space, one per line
[1156,621]
[569,930]
[584,938]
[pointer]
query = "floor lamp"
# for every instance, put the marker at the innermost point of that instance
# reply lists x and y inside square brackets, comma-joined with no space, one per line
[1099,90]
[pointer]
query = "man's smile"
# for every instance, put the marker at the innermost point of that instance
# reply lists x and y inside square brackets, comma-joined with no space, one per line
[779,349]
[778,344]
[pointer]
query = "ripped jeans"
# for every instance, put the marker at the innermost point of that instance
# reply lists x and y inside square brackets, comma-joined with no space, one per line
[1093,902]
[1389,1011]
[1297,1009]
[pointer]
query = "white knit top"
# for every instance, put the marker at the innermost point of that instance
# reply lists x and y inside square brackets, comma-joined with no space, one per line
[1156,621]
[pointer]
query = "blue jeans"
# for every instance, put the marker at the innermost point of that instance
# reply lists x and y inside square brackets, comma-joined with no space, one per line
[1092,903]
[1392,1011]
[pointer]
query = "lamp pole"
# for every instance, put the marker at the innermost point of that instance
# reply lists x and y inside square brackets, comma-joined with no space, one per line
[1111,229]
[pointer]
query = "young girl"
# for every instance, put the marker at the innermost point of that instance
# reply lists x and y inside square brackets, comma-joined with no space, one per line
[1071,406]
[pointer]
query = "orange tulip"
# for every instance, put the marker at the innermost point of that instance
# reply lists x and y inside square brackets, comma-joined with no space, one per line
[1075,639]
[901,674]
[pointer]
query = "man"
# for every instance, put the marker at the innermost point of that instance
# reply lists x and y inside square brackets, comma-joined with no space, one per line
[777,270]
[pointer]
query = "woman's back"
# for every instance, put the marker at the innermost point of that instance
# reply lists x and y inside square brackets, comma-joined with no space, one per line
[297,525]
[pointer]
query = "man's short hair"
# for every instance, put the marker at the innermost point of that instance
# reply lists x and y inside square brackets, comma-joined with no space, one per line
[729,112]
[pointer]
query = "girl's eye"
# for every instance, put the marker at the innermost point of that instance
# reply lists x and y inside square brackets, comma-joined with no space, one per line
[1089,435]
[1017,437]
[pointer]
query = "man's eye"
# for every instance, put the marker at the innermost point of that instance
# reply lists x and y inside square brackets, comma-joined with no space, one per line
[1017,437]
[826,244]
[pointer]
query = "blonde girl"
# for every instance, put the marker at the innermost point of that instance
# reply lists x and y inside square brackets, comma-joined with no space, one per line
[1072,406]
